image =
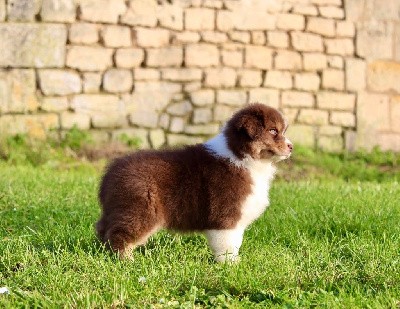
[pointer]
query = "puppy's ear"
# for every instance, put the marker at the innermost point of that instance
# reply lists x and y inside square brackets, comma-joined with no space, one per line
[251,125]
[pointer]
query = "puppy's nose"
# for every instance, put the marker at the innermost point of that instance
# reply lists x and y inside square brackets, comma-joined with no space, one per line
[290,146]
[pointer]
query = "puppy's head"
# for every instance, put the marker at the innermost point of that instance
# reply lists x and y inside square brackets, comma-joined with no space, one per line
[258,131]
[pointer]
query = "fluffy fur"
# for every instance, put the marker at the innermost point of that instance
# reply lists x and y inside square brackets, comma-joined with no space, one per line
[218,188]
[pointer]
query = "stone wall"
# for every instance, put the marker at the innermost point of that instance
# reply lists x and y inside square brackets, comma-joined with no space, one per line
[172,71]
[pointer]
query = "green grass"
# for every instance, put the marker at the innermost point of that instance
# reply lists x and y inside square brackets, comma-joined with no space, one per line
[329,243]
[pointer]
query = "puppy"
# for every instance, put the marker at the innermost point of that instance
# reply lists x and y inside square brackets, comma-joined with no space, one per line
[218,188]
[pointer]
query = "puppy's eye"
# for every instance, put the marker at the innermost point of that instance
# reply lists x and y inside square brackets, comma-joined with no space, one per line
[274,132]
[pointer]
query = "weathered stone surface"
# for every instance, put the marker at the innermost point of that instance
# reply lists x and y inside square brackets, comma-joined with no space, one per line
[177,125]
[54,104]
[221,77]
[304,9]
[70,120]
[301,135]
[266,96]
[146,74]
[372,116]
[157,138]
[18,91]
[297,99]
[333,79]
[290,114]
[199,129]
[23,10]
[307,81]
[278,79]
[232,58]
[91,82]
[336,62]
[336,100]
[345,29]
[117,80]
[87,58]
[331,12]
[375,40]
[253,20]
[180,109]
[331,143]
[314,61]
[164,121]
[164,57]
[192,86]
[181,139]
[278,39]
[288,60]
[129,57]
[141,13]
[322,26]
[35,126]
[355,74]
[151,37]
[330,130]
[58,11]
[384,76]
[116,36]
[146,119]
[306,41]
[199,19]
[171,17]
[290,22]
[32,45]
[232,97]
[327,2]
[97,103]
[344,47]
[186,37]
[104,11]
[239,36]
[223,112]
[84,33]
[2,10]
[202,115]
[313,117]
[395,113]
[258,37]
[258,57]
[344,119]
[250,78]
[59,82]
[214,37]
[202,55]
[181,74]
[109,120]
[202,97]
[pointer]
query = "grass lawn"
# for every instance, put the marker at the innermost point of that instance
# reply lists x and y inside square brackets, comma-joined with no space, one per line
[325,243]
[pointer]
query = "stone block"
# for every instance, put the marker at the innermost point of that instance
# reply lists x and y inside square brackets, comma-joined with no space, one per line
[322,26]
[225,20]
[181,139]
[97,103]
[141,13]
[18,91]
[217,4]
[35,126]
[239,36]
[314,61]
[232,97]
[290,114]
[23,10]
[2,10]
[62,11]
[165,57]
[199,19]
[288,60]
[330,130]
[180,108]
[59,82]
[116,36]
[265,96]
[305,9]
[355,74]
[327,2]
[389,141]
[157,138]
[146,119]
[109,120]
[84,33]
[181,74]
[164,121]
[32,45]
[278,39]
[258,57]
[253,20]
[313,117]
[177,125]
[307,81]
[202,115]
[220,77]
[128,58]
[258,38]
[192,86]
[335,61]
[91,82]
[171,17]
[102,11]
[344,47]
[395,113]
[306,42]
[384,76]
[331,12]
[301,134]
[375,40]
[146,74]
[222,112]
[278,79]
[333,79]
[151,37]
[86,58]
[202,97]
[202,55]
[345,29]
[250,78]
[214,37]
[232,58]
[54,104]
[117,80]
[297,99]
[344,119]
[373,115]
[186,37]
[290,22]
[202,129]
[331,143]
[336,100]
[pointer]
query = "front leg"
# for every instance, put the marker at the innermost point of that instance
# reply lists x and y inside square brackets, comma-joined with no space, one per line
[225,244]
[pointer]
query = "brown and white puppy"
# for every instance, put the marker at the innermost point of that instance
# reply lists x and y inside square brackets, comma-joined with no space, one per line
[218,188]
